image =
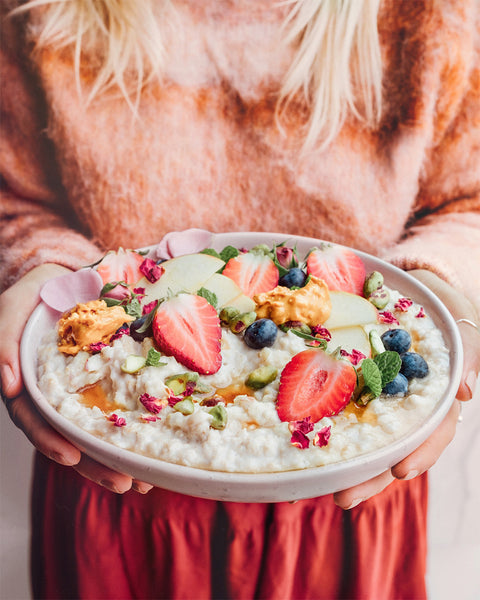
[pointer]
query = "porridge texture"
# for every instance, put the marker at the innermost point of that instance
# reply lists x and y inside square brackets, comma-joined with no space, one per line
[152,395]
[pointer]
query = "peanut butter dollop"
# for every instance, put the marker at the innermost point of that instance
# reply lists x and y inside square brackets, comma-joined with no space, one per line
[310,304]
[89,323]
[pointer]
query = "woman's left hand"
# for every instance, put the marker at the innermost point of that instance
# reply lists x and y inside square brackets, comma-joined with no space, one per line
[427,454]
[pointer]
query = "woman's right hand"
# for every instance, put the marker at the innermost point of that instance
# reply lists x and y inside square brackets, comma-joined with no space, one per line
[16,305]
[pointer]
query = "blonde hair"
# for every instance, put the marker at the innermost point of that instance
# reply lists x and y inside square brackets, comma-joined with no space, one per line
[336,67]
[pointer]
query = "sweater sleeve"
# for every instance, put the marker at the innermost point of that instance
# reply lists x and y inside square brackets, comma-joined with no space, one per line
[36,225]
[443,234]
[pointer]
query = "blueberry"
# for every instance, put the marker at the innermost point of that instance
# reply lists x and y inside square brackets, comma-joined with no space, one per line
[294,278]
[398,386]
[397,340]
[261,333]
[413,365]
[136,325]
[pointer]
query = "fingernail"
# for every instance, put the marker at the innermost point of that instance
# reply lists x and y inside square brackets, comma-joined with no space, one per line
[141,488]
[7,377]
[410,475]
[355,503]
[109,485]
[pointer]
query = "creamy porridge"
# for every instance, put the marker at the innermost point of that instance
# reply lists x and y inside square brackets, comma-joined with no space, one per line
[138,396]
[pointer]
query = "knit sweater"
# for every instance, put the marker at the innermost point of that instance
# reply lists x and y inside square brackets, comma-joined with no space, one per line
[205,150]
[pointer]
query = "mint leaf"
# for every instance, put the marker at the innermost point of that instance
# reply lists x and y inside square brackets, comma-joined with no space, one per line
[133,308]
[209,296]
[322,343]
[153,358]
[229,252]
[372,376]
[388,363]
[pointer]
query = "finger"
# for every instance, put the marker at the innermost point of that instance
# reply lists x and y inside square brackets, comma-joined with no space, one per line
[40,433]
[427,454]
[98,473]
[353,496]
[141,486]
[18,302]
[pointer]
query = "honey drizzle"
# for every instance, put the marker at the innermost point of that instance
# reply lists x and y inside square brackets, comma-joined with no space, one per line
[94,395]
[229,393]
[363,416]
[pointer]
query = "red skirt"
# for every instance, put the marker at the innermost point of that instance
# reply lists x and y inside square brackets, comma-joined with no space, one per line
[89,543]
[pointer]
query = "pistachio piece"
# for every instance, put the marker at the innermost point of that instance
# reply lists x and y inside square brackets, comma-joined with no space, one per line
[379,298]
[297,325]
[242,321]
[219,417]
[185,406]
[228,313]
[376,343]
[261,377]
[133,364]
[178,383]
[373,282]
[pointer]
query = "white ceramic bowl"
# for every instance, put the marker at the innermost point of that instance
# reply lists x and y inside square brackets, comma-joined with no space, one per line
[261,487]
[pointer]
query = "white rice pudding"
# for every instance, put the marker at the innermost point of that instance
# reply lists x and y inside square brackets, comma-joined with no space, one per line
[254,439]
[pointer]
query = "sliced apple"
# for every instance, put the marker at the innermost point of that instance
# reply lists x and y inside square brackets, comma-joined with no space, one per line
[183,273]
[350,338]
[349,310]
[228,293]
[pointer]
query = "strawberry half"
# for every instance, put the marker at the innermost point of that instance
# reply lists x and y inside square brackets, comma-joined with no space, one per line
[253,273]
[122,265]
[316,385]
[188,328]
[340,268]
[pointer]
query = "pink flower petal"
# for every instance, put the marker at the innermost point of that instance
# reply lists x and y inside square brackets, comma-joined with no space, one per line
[151,403]
[354,357]
[64,292]
[299,439]
[403,304]
[304,425]
[387,317]
[117,421]
[322,437]
[421,313]
[151,270]
[177,243]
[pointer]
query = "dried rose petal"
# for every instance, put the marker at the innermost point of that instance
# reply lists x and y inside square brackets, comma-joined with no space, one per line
[172,400]
[149,307]
[421,313]
[322,332]
[96,347]
[121,331]
[304,425]
[355,356]
[117,421]
[403,304]
[151,403]
[299,439]
[322,436]
[149,418]
[139,291]
[387,317]
[151,270]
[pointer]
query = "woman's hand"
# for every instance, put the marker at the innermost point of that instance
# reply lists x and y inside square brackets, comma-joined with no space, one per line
[16,305]
[427,454]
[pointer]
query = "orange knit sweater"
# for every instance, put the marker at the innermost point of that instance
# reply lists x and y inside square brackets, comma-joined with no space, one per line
[205,151]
